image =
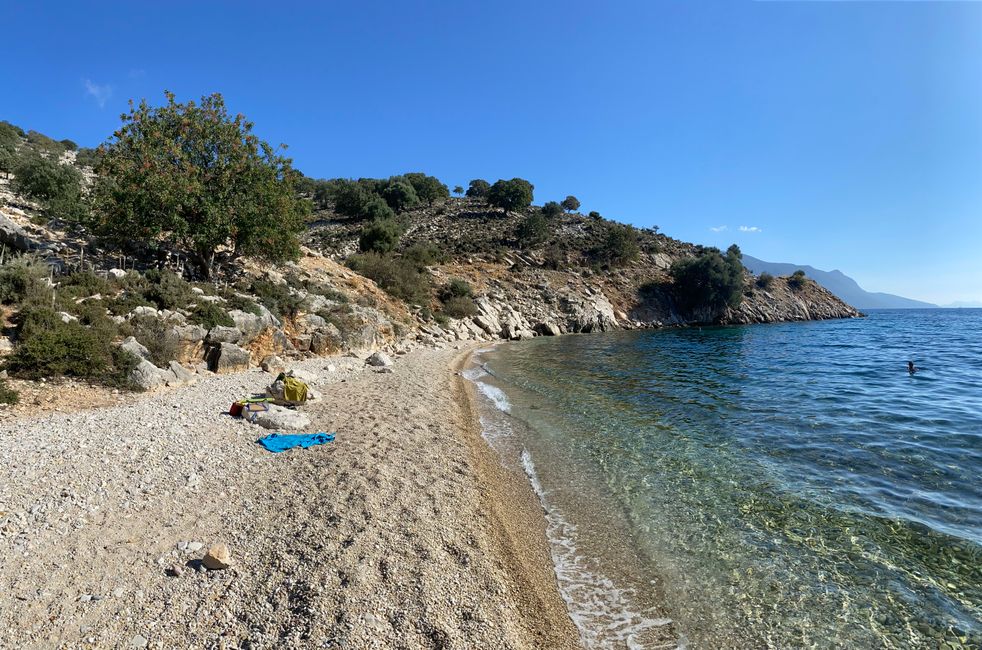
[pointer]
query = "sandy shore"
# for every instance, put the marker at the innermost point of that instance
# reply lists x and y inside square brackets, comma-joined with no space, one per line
[406,532]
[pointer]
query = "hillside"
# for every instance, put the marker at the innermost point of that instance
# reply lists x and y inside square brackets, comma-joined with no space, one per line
[130,312]
[839,284]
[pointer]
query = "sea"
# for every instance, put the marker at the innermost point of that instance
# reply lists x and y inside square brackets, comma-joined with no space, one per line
[767,486]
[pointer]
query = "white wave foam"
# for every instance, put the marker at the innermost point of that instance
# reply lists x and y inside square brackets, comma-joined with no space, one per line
[493,393]
[602,612]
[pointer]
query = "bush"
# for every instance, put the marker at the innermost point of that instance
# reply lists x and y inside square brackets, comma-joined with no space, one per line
[429,189]
[765,280]
[424,254]
[381,236]
[234,301]
[87,157]
[478,188]
[49,347]
[571,204]
[552,209]
[57,186]
[515,194]
[277,298]
[456,288]
[24,280]
[459,307]
[209,315]
[533,230]
[397,276]
[195,176]
[43,144]
[7,394]
[594,215]
[620,245]
[458,190]
[709,280]
[797,280]
[155,335]
[68,144]
[167,290]
[82,284]
[400,195]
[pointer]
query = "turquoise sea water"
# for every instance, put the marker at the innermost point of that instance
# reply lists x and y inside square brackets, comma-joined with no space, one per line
[784,485]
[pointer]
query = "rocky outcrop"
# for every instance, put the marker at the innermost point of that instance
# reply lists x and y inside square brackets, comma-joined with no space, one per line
[227,357]
[16,238]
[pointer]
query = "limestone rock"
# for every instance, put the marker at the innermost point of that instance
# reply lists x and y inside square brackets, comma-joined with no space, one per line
[134,347]
[379,359]
[221,334]
[178,375]
[146,375]
[217,557]
[227,357]
[548,329]
[272,364]
[279,417]
[326,340]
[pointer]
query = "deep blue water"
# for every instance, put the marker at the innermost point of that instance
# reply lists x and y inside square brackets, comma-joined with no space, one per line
[785,485]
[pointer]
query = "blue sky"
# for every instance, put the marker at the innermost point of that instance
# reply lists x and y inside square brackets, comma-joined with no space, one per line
[838,134]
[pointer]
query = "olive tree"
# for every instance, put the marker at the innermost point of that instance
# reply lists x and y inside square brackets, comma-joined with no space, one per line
[197,177]
[510,195]
[570,204]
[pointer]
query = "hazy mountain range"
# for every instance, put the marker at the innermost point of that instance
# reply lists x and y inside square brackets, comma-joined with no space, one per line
[840,284]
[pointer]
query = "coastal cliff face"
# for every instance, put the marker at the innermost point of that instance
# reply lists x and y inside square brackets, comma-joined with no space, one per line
[561,282]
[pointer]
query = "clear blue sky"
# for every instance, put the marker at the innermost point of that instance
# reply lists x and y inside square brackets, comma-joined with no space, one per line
[848,134]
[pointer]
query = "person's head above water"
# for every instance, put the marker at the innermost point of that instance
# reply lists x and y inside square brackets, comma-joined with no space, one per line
[910,367]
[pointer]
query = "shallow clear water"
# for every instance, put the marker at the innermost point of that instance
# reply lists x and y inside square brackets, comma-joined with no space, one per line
[780,485]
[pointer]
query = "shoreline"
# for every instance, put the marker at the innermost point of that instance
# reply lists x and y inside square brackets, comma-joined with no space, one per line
[407,531]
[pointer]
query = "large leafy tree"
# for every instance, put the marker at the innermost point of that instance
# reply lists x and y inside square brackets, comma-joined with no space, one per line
[510,195]
[195,176]
[710,279]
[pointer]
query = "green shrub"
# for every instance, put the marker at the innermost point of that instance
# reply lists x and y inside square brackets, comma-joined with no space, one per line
[456,288]
[515,194]
[69,145]
[43,144]
[87,157]
[552,209]
[459,307]
[235,301]
[24,280]
[209,315]
[709,280]
[441,318]
[424,254]
[397,276]
[620,245]
[167,290]
[571,204]
[797,280]
[478,188]
[82,284]
[533,230]
[57,186]
[277,298]
[765,280]
[400,195]
[594,215]
[429,189]
[10,132]
[155,335]
[380,236]
[49,347]
[7,394]
[458,190]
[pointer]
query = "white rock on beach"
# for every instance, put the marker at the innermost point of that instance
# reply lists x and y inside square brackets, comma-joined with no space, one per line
[379,359]
[280,417]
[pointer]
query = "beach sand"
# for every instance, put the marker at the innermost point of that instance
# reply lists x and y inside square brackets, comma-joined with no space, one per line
[405,532]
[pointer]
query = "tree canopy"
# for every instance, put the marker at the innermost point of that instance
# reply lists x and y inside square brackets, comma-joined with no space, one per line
[511,195]
[710,279]
[571,204]
[195,176]
[478,188]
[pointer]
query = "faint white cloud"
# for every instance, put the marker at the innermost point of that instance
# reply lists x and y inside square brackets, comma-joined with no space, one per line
[717,228]
[137,73]
[100,92]
[750,229]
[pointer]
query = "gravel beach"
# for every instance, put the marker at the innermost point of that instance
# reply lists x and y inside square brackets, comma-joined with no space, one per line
[405,532]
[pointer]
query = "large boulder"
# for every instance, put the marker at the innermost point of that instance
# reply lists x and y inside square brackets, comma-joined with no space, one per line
[146,375]
[178,375]
[17,238]
[221,334]
[280,417]
[379,360]
[326,340]
[227,357]
[135,348]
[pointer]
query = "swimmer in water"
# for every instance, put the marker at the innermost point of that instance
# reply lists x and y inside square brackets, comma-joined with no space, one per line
[910,367]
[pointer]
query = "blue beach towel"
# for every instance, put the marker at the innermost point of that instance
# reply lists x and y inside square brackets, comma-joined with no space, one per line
[276,442]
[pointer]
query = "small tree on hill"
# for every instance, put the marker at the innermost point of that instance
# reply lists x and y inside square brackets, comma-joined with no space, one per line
[478,188]
[709,280]
[532,231]
[57,186]
[429,189]
[571,204]
[458,190]
[515,194]
[400,195]
[381,236]
[552,209]
[198,177]
[797,279]
[620,245]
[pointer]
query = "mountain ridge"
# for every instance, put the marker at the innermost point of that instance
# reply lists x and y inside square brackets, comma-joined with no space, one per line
[839,284]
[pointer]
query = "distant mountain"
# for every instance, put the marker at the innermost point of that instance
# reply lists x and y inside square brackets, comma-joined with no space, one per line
[971,304]
[838,283]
